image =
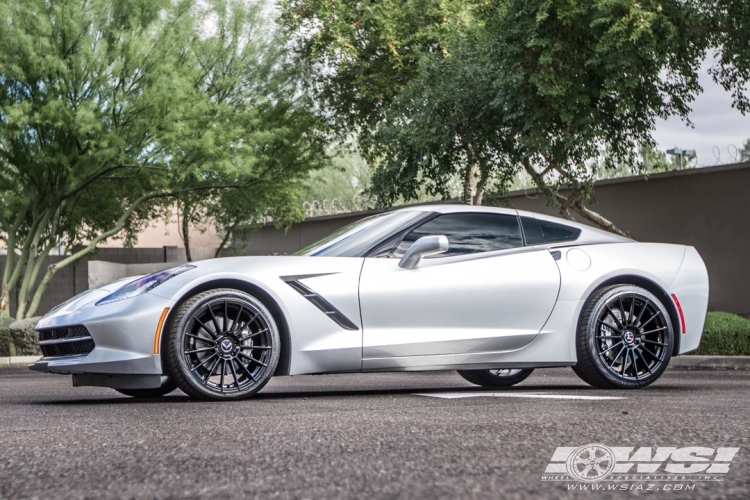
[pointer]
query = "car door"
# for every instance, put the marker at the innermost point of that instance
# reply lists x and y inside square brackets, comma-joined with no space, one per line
[488,293]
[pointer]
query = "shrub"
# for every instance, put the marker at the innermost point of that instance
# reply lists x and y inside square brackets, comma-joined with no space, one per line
[6,341]
[725,334]
[25,338]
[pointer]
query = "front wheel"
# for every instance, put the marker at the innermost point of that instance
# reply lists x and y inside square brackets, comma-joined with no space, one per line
[624,338]
[503,377]
[222,344]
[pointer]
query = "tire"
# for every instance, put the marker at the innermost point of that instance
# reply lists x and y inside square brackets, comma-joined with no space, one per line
[624,338]
[167,386]
[504,377]
[227,329]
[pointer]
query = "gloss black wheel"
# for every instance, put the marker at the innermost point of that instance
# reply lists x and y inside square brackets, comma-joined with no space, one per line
[222,344]
[625,338]
[499,377]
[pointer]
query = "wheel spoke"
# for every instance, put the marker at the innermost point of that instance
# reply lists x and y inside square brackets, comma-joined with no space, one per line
[635,365]
[643,310]
[657,313]
[249,374]
[654,342]
[608,337]
[263,347]
[234,374]
[622,310]
[632,306]
[203,325]
[252,359]
[211,372]
[242,339]
[202,349]
[615,358]
[202,339]
[651,354]
[610,326]
[611,347]
[611,313]
[204,362]
[223,369]
[237,320]
[213,317]
[654,331]
[644,361]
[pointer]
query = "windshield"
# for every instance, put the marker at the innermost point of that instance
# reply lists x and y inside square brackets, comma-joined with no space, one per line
[355,239]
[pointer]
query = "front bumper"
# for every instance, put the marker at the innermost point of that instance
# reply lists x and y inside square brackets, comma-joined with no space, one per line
[123,333]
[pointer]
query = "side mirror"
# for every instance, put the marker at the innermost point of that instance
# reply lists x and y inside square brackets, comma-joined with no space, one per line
[424,246]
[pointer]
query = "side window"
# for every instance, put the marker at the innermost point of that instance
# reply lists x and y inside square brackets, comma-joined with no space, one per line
[468,233]
[539,232]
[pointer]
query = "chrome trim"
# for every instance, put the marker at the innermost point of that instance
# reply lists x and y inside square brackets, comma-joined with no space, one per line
[65,340]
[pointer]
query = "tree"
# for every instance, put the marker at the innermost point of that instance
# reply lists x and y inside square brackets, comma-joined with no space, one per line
[542,85]
[745,151]
[107,109]
[269,137]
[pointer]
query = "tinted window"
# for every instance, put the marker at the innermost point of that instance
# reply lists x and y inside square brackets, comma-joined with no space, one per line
[539,232]
[468,233]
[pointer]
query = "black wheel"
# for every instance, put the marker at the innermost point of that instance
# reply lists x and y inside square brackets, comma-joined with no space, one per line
[222,344]
[167,386]
[502,377]
[624,338]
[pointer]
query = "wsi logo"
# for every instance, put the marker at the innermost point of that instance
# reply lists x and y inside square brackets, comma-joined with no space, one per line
[598,462]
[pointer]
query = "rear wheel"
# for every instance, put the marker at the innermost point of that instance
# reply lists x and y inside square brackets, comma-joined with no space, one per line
[222,344]
[624,338]
[502,377]
[167,386]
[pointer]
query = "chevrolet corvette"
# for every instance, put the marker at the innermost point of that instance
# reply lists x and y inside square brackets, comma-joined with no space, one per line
[493,293]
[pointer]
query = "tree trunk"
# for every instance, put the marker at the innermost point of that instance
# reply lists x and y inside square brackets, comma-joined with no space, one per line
[470,179]
[575,201]
[224,241]
[186,230]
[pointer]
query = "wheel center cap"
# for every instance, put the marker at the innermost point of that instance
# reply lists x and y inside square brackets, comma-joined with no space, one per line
[628,337]
[226,346]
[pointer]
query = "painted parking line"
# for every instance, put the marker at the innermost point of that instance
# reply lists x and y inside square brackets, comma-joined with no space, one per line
[459,395]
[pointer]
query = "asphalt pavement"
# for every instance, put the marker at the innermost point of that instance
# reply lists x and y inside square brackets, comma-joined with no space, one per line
[389,435]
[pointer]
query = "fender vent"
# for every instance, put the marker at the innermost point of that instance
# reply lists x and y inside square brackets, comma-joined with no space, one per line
[318,301]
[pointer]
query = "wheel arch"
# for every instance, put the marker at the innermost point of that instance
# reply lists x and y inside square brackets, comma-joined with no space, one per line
[658,291]
[264,297]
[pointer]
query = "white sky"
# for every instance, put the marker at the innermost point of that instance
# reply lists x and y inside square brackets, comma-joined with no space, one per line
[716,124]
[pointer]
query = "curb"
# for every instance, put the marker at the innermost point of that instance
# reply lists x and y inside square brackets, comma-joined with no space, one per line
[18,360]
[710,362]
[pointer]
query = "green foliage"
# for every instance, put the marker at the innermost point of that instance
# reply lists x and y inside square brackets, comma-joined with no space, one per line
[25,338]
[481,90]
[110,108]
[725,334]
[7,347]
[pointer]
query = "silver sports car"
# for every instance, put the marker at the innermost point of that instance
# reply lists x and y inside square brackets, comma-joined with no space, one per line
[490,292]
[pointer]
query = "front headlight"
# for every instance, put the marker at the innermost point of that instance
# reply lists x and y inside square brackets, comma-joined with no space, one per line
[143,285]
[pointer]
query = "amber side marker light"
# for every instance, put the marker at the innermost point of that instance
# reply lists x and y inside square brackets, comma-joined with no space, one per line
[157,337]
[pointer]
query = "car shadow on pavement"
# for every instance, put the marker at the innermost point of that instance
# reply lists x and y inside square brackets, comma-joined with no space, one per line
[179,397]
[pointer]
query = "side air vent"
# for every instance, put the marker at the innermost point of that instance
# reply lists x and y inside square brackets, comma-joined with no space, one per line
[318,301]
[67,341]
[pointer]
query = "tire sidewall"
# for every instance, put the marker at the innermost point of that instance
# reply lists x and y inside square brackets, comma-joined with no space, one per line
[591,334]
[177,338]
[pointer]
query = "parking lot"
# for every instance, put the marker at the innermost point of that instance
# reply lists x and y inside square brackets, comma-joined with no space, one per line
[406,435]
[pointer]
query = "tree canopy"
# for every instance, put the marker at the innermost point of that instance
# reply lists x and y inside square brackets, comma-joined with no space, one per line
[482,90]
[108,108]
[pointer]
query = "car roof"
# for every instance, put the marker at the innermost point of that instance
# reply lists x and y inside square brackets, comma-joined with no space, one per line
[588,234]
